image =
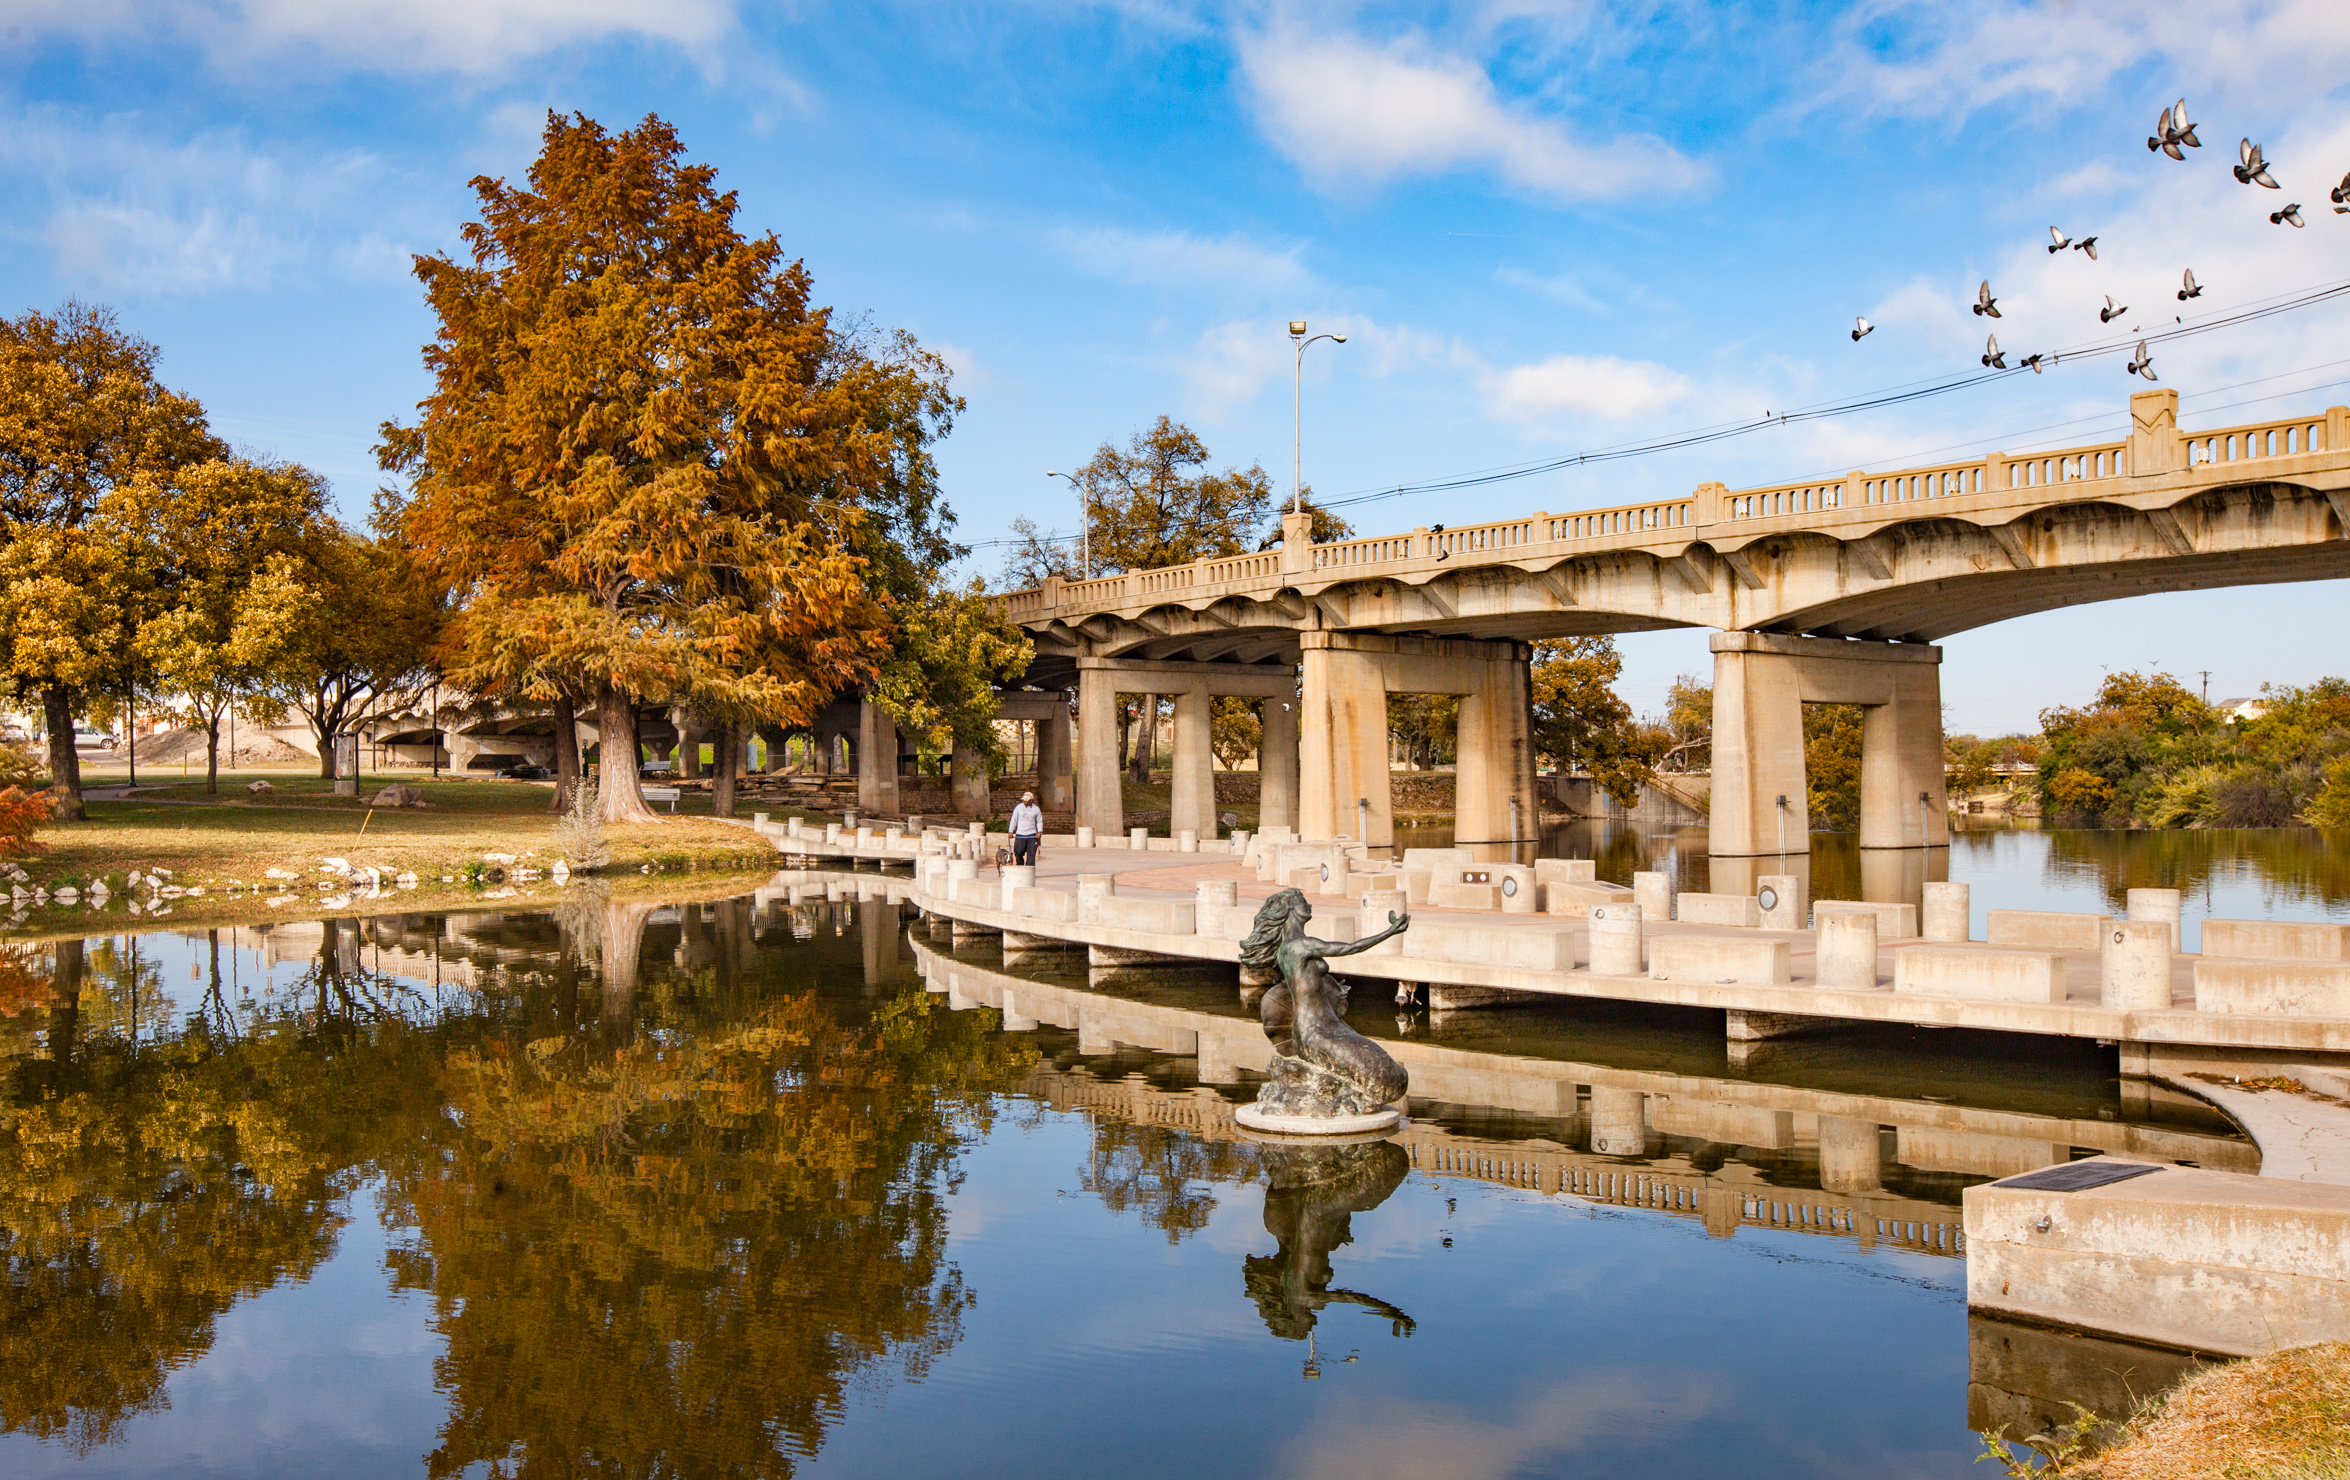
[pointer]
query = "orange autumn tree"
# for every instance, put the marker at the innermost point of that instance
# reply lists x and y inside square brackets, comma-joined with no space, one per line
[639,470]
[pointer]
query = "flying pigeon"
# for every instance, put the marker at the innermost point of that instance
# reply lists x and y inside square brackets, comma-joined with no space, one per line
[1861,329]
[2188,287]
[2171,129]
[2341,195]
[2031,360]
[2111,311]
[2087,244]
[1985,304]
[2144,364]
[2057,241]
[2290,213]
[1992,355]
[2254,169]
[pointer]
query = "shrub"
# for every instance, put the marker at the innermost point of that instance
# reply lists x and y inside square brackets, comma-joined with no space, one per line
[20,813]
[2331,806]
[579,833]
[2250,798]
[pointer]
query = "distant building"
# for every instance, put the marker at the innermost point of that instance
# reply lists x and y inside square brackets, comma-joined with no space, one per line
[2241,709]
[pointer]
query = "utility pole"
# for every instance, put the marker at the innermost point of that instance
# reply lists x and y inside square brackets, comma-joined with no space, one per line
[2206,685]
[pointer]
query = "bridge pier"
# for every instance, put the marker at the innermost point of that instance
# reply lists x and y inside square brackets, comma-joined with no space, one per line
[1343,758]
[1194,688]
[877,760]
[1762,680]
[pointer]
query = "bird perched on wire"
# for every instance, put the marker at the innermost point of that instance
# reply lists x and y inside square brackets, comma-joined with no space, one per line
[1986,305]
[1992,354]
[1861,329]
[2289,215]
[2252,169]
[2144,364]
[2171,129]
[2188,287]
[2111,311]
[2341,196]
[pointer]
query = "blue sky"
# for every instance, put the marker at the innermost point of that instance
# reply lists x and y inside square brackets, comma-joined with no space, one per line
[1545,228]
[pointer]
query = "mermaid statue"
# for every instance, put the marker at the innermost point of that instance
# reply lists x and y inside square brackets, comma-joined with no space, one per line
[1327,1078]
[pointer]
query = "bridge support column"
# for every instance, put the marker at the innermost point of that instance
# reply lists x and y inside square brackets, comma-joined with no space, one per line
[1277,766]
[1342,749]
[1761,683]
[1055,775]
[1193,801]
[1101,796]
[877,759]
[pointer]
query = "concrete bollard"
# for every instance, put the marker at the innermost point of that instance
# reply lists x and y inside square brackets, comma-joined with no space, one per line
[1848,951]
[2135,974]
[1949,912]
[791,827]
[1653,895]
[978,830]
[758,822]
[848,821]
[1619,1121]
[1789,909]
[1016,876]
[914,826]
[1085,837]
[831,834]
[1186,840]
[1137,839]
[1239,842]
[961,868]
[1616,942]
[2157,904]
[1210,899]
[1092,889]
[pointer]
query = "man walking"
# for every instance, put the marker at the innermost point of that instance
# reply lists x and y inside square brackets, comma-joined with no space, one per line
[1027,828]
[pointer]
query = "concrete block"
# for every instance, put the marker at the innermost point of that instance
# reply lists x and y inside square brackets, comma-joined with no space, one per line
[1085,837]
[1015,876]
[1186,840]
[1973,1153]
[1365,883]
[1156,916]
[1618,947]
[1436,860]
[1714,958]
[1571,901]
[1788,908]
[1720,909]
[2303,988]
[2156,905]
[1979,975]
[1446,896]
[985,893]
[2280,940]
[1949,912]
[2213,1261]
[1471,944]
[2134,975]
[1220,894]
[1519,894]
[1653,894]
[1730,1125]
[1045,904]
[1548,871]
[2047,930]
[1848,950]
[1894,921]
[1092,889]
[1417,883]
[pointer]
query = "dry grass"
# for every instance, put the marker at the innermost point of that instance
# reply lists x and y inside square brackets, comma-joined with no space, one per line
[225,846]
[2285,1416]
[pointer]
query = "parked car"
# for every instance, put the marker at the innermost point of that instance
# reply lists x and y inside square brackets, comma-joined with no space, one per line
[525,772]
[92,740]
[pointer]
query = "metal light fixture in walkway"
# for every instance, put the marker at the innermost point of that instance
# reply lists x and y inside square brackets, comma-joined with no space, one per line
[1297,334]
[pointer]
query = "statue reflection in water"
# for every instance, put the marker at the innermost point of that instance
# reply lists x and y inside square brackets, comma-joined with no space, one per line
[1311,1195]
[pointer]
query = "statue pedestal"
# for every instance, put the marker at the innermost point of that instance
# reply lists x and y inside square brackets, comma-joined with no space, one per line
[1317,1125]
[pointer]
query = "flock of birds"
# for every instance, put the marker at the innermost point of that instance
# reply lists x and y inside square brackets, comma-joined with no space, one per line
[2173,135]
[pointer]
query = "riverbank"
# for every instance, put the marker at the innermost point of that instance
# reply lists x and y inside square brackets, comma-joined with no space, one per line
[2285,1416]
[474,840]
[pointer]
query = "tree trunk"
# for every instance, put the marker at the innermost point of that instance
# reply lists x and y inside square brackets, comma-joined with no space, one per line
[65,765]
[212,755]
[725,758]
[1146,738]
[65,1003]
[622,795]
[566,754]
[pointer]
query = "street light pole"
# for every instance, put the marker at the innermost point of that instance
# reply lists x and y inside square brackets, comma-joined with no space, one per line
[1084,523]
[1297,335]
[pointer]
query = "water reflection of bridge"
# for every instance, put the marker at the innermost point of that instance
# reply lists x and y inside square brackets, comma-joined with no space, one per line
[1729,1153]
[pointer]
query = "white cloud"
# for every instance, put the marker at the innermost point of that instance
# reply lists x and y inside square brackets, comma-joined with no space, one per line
[124,211]
[476,36]
[1963,58]
[1348,111]
[1163,259]
[1601,386]
[1232,362]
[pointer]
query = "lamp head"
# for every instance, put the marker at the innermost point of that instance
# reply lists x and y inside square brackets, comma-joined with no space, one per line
[1051,473]
[1297,328]
[1338,338]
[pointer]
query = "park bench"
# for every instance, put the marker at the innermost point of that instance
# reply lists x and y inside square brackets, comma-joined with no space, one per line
[662,794]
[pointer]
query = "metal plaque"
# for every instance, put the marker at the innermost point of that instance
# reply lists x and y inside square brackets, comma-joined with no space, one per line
[2078,1176]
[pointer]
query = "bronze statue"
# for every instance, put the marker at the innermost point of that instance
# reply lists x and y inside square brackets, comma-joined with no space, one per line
[1322,1069]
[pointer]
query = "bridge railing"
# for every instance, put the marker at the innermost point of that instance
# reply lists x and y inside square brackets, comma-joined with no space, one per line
[2289,438]
[1629,519]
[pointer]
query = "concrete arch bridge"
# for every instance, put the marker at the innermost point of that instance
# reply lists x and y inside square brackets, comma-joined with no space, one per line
[1825,591]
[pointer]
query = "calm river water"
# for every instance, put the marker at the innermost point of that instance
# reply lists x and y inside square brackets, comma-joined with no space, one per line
[751,1186]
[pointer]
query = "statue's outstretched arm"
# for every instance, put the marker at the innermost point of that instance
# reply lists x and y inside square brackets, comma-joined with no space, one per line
[1396,925]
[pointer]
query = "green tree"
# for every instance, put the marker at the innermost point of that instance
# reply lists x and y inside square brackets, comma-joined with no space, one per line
[647,459]
[355,628]
[1689,724]
[81,416]
[219,634]
[1155,504]
[1328,527]
[1581,725]
[1831,761]
[954,648]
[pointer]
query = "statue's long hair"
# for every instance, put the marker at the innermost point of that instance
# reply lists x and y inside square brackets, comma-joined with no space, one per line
[1273,920]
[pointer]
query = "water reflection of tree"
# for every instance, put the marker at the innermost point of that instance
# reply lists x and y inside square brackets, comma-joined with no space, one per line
[673,1255]
[1161,1173]
[147,1185]
[2296,861]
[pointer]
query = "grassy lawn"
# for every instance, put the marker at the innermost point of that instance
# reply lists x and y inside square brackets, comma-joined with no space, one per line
[224,845]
